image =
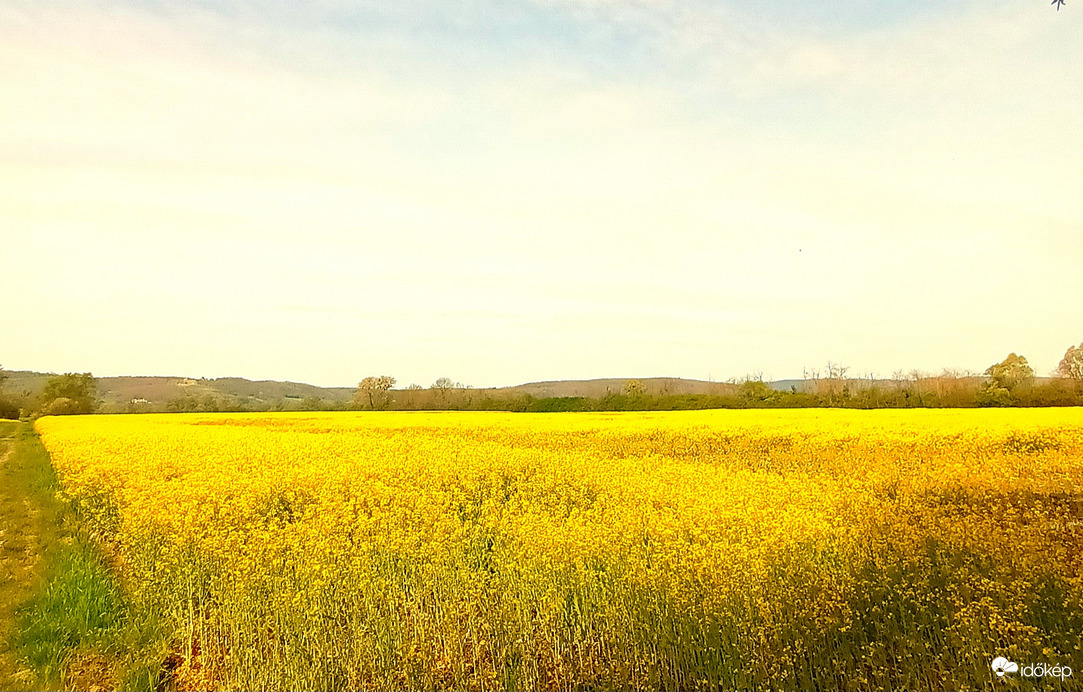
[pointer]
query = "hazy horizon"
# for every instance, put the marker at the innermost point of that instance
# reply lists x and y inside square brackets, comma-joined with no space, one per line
[810,374]
[503,193]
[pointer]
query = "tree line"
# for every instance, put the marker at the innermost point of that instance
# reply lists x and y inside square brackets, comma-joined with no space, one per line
[1010,382]
[70,393]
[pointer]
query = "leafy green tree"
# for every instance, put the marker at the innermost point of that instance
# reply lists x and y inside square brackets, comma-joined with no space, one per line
[634,389]
[62,406]
[1005,378]
[70,393]
[755,392]
[1010,372]
[8,408]
[992,395]
[1071,365]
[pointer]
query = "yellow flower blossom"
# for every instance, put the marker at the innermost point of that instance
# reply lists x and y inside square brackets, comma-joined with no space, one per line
[799,549]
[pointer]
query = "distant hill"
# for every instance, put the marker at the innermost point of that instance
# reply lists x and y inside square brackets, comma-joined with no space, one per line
[155,392]
[601,387]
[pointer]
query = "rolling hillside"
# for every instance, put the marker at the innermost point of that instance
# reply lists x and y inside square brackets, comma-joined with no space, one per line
[157,392]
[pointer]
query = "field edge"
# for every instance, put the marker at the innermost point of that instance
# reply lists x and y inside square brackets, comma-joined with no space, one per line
[72,626]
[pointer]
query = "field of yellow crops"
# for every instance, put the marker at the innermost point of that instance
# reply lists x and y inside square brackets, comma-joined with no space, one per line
[805,549]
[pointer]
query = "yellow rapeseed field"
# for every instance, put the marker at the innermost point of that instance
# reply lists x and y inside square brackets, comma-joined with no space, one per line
[804,549]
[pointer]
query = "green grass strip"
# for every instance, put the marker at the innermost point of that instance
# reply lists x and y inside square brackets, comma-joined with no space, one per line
[72,628]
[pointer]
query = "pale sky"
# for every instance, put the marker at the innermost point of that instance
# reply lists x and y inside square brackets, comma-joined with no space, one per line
[501,191]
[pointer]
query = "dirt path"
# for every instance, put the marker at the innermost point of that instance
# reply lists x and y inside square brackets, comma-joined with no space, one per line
[24,529]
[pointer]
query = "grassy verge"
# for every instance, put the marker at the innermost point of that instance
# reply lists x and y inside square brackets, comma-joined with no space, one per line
[66,621]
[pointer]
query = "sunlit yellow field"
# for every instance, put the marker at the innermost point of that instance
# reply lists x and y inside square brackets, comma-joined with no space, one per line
[805,549]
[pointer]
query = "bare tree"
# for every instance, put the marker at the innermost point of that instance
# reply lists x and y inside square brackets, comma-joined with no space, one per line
[836,371]
[374,391]
[830,384]
[898,377]
[443,387]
